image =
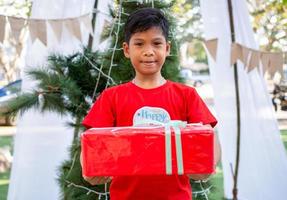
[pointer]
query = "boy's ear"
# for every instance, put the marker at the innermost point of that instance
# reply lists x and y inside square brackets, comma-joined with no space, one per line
[168,46]
[126,49]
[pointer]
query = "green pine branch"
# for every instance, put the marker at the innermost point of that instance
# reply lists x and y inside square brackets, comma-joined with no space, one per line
[21,104]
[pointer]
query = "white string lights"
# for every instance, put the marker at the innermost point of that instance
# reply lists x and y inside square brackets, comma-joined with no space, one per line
[116,21]
[204,191]
[117,39]
[89,191]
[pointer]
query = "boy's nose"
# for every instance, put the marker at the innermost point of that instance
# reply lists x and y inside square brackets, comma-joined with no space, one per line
[148,52]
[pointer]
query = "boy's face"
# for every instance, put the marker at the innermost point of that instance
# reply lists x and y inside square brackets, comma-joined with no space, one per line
[147,51]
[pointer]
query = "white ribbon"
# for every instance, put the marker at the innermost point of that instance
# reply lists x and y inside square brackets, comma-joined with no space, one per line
[168,155]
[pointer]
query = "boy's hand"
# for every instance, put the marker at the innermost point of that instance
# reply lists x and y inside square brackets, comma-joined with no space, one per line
[217,155]
[98,180]
[95,180]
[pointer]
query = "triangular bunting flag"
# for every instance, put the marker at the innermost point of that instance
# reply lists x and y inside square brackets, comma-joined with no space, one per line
[211,46]
[276,64]
[38,30]
[265,60]
[14,65]
[74,28]
[57,27]
[86,20]
[1,57]
[2,28]
[285,58]
[19,48]
[254,60]
[16,24]
[246,54]
[236,53]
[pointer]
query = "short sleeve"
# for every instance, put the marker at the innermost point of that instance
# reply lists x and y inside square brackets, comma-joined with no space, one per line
[197,110]
[101,113]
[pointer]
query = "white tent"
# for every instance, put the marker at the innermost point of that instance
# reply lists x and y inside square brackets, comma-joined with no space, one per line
[42,141]
[263,160]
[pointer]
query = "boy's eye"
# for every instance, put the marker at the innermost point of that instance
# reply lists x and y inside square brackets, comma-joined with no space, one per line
[138,44]
[157,43]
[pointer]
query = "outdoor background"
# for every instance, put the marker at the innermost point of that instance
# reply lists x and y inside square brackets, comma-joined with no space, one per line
[269,21]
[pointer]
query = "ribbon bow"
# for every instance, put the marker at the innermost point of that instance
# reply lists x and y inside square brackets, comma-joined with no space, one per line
[176,125]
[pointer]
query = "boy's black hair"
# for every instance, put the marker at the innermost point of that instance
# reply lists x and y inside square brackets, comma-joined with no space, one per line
[144,19]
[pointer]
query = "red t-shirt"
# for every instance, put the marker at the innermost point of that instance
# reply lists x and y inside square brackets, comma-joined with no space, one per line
[124,105]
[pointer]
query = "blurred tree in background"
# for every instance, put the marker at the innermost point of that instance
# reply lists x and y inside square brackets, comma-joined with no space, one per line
[190,33]
[269,19]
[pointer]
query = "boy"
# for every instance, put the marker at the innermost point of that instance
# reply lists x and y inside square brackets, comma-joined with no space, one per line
[148,96]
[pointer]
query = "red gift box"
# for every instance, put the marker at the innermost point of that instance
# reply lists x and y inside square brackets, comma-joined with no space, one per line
[143,151]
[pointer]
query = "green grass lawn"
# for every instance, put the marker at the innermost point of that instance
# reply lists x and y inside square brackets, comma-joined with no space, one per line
[284,138]
[216,180]
[4,177]
[4,183]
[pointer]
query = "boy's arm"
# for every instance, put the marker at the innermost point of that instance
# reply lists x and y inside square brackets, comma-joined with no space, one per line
[100,115]
[95,180]
[198,112]
[217,156]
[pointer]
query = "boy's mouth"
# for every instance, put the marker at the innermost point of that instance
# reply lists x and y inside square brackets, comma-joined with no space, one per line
[148,62]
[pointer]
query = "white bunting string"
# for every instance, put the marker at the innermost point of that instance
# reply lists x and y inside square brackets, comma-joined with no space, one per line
[251,58]
[117,39]
[19,23]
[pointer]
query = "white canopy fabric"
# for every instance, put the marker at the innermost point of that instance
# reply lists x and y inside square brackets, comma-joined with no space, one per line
[42,140]
[263,160]
[103,19]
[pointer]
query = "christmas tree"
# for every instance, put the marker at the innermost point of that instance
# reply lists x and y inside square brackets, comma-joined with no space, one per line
[116,69]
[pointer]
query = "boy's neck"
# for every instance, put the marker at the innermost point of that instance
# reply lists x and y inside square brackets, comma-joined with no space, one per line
[149,82]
